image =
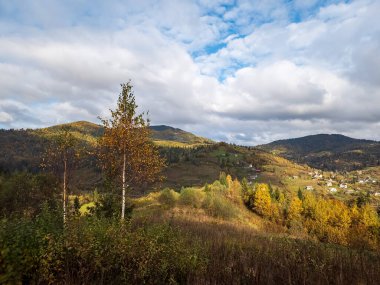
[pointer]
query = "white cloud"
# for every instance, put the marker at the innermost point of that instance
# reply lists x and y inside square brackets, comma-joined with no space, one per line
[280,79]
[5,117]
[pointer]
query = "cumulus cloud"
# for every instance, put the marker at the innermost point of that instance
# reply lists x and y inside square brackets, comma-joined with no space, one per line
[244,72]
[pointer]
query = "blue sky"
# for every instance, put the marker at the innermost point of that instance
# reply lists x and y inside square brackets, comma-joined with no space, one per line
[247,72]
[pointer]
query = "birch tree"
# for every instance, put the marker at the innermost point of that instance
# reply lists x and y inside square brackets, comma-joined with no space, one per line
[60,157]
[126,151]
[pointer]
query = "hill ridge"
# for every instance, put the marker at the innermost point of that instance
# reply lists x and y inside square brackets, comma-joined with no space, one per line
[328,151]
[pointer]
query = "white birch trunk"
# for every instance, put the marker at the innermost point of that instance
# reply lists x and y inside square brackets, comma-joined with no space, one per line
[124,186]
[64,187]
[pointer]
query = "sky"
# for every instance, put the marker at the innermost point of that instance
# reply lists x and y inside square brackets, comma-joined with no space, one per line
[245,72]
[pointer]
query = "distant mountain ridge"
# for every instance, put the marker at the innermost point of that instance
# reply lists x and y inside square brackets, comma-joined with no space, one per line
[160,133]
[328,151]
[22,149]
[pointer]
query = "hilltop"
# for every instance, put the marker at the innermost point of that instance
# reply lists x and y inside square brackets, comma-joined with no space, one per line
[328,151]
[166,135]
[22,149]
[161,134]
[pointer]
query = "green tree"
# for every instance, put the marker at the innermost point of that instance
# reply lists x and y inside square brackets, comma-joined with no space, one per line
[223,178]
[300,194]
[76,206]
[126,151]
[244,186]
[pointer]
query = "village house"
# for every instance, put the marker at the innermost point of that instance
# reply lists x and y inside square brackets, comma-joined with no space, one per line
[332,190]
[318,176]
[310,188]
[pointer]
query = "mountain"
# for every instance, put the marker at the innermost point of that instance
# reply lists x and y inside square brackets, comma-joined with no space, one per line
[22,149]
[164,133]
[161,134]
[328,151]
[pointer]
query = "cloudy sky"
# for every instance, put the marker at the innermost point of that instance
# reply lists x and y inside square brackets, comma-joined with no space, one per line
[247,72]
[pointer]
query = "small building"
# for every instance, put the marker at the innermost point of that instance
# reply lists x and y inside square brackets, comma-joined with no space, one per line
[377,194]
[329,183]
[332,190]
[310,188]
[343,186]
[318,176]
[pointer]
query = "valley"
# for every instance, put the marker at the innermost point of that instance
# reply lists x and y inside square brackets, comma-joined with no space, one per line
[209,199]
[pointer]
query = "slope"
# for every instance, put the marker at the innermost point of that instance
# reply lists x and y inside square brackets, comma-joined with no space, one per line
[328,152]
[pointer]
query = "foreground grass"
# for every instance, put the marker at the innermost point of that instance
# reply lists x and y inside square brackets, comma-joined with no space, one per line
[175,251]
[199,236]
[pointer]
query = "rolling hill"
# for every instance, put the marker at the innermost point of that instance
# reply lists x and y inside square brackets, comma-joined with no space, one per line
[161,134]
[199,162]
[165,134]
[328,152]
[21,150]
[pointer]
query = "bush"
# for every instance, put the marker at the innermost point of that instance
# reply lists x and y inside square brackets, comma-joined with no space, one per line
[95,250]
[218,187]
[219,206]
[168,197]
[24,193]
[192,197]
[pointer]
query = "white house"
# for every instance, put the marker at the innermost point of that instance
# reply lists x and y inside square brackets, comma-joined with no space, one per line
[343,186]
[333,190]
[310,188]
[329,183]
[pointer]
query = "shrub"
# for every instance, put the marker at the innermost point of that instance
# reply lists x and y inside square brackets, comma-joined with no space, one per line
[168,197]
[218,187]
[219,206]
[192,197]
[24,193]
[95,250]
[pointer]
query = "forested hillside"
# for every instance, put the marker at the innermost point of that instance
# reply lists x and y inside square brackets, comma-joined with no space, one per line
[22,150]
[328,152]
